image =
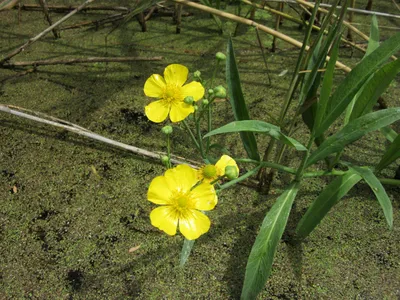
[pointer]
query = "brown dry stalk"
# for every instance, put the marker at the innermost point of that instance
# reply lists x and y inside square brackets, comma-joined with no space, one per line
[79,61]
[298,21]
[264,28]
[48,120]
[43,33]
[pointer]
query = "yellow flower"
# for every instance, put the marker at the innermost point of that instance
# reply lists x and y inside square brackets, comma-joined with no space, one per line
[180,203]
[171,91]
[209,173]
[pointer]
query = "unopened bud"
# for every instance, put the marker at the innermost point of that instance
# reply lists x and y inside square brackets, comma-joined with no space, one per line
[188,100]
[165,159]
[231,172]
[195,107]
[220,91]
[210,91]
[220,56]
[167,130]
[197,75]
[205,102]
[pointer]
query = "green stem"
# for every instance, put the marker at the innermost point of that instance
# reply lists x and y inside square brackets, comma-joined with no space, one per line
[200,138]
[293,171]
[191,135]
[209,125]
[214,74]
[216,180]
[268,165]
[169,152]
[243,177]
[300,170]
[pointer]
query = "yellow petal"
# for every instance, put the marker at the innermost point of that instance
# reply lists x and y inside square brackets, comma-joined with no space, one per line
[157,111]
[194,89]
[176,74]
[223,162]
[159,191]
[193,223]
[154,86]
[164,218]
[179,111]
[204,197]
[181,178]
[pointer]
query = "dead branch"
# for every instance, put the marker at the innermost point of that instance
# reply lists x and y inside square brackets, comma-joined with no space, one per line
[264,28]
[43,33]
[78,61]
[48,120]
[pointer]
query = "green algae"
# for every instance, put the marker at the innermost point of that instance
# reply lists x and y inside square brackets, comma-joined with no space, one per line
[72,208]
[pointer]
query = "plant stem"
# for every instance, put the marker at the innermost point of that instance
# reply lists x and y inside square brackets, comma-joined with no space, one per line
[169,152]
[191,135]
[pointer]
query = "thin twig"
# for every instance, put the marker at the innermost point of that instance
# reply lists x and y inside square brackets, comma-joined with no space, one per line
[43,4]
[20,74]
[345,23]
[263,55]
[96,23]
[266,29]
[356,10]
[84,132]
[43,33]
[79,61]
[394,2]
[64,8]
[300,22]
[151,11]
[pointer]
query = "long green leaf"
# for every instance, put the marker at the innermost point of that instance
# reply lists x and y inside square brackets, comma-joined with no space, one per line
[345,92]
[262,253]
[378,190]
[186,250]
[238,103]
[373,43]
[338,188]
[374,88]
[258,126]
[391,154]
[327,85]
[353,131]
[389,133]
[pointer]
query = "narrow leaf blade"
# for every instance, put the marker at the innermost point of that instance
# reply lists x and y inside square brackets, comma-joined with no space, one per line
[356,78]
[374,88]
[391,154]
[335,191]
[373,43]
[186,250]
[262,253]
[238,103]
[353,131]
[378,190]
[258,126]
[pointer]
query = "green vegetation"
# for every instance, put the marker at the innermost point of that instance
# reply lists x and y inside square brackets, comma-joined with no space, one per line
[71,208]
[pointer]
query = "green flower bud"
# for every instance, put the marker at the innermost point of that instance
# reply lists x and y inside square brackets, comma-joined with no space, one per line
[195,107]
[167,130]
[165,159]
[210,91]
[209,171]
[188,100]
[220,56]
[220,91]
[197,75]
[231,172]
[205,102]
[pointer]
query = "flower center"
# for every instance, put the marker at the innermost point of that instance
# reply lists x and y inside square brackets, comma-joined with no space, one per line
[182,201]
[209,171]
[172,93]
